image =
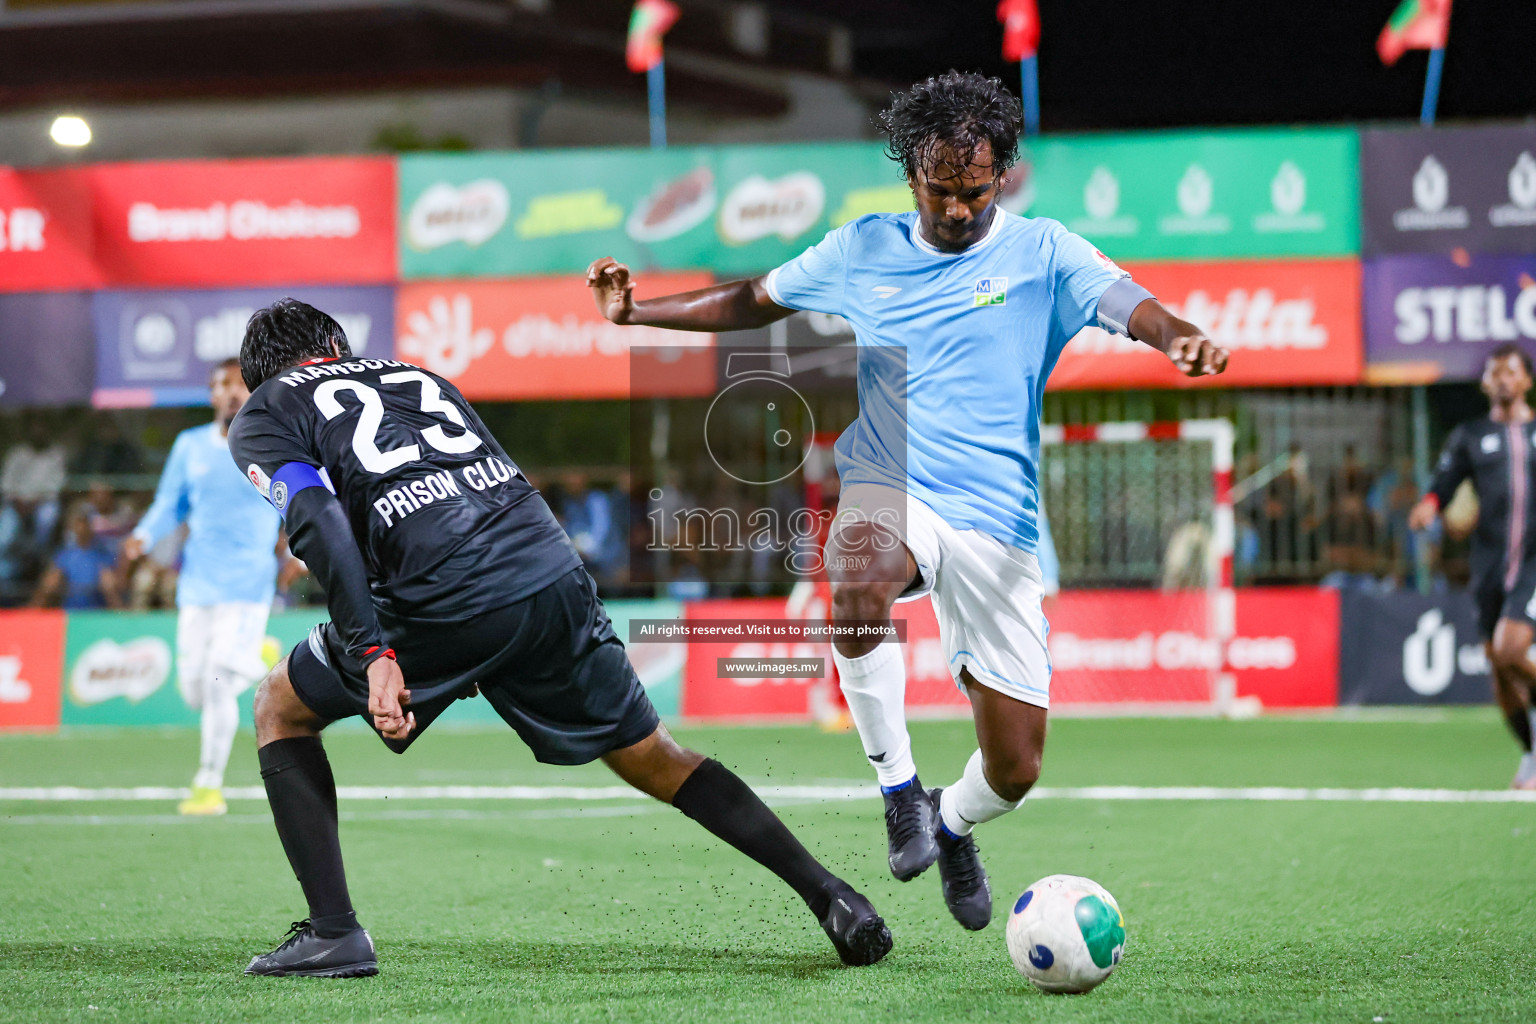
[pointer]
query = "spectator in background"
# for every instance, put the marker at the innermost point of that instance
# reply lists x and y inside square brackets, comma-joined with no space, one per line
[111,517]
[84,571]
[105,452]
[31,481]
[1287,517]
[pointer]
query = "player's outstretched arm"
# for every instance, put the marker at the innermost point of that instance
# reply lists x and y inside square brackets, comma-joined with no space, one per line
[732,306]
[1191,351]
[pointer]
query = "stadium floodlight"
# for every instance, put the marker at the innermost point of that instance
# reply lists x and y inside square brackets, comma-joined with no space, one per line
[69,130]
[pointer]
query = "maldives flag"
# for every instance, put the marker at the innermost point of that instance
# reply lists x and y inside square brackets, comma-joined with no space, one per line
[1021,28]
[1415,25]
[647,24]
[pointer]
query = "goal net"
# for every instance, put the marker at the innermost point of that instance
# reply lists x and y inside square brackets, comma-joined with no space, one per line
[1141,515]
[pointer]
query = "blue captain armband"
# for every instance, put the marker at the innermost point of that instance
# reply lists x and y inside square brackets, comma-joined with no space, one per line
[293,478]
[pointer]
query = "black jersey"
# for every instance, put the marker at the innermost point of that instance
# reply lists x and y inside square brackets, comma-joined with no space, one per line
[1500,460]
[447,525]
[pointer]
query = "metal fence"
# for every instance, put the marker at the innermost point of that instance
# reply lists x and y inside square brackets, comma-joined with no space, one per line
[1324,480]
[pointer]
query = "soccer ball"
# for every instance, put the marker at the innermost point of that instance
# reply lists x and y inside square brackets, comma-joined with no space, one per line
[1066,934]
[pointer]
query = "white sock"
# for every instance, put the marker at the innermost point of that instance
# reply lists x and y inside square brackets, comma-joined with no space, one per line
[971,801]
[221,719]
[876,687]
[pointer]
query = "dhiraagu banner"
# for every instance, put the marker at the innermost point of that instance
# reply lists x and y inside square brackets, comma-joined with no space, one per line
[1199,195]
[728,209]
[120,667]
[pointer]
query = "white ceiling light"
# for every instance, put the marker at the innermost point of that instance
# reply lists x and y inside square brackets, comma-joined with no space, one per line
[69,130]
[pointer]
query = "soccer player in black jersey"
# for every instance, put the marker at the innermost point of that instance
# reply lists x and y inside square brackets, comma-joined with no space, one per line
[1498,454]
[445,571]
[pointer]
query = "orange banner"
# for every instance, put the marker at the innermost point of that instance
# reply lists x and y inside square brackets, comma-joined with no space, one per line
[543,338]
[1286,322]
[31,668]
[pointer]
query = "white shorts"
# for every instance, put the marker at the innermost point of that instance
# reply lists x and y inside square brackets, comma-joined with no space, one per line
[219,643]
[986,594]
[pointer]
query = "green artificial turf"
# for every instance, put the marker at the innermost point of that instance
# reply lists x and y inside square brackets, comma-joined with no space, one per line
[514,910]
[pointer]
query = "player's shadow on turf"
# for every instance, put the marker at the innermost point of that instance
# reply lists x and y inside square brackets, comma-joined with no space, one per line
[527,959]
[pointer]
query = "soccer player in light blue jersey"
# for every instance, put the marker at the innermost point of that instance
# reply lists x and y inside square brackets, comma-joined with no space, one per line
[228,577]
[961,310]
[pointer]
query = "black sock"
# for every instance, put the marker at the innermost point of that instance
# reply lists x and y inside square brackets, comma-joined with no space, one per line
[302,793]
[1520,723]
[714,797]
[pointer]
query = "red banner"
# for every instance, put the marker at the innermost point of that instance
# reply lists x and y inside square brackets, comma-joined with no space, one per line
[246,222]
[1107,647]
[31,668]
[45,232]
[543,338]
[1286,322]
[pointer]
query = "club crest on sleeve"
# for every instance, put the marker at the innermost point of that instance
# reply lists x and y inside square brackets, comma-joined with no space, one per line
[262,482]
[280,496]
[990,291]
[1107,262]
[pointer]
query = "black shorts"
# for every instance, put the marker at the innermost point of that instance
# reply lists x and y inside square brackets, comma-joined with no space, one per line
[1495,602]
[550,664]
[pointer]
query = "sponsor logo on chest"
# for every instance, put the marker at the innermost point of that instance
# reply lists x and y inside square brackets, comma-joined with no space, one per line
[990,291]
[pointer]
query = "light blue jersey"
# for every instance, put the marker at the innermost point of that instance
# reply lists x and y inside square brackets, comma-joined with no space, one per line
[954,350]
[231,549]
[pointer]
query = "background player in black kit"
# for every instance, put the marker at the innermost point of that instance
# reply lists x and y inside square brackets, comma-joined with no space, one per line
[444,570]
[1498,453]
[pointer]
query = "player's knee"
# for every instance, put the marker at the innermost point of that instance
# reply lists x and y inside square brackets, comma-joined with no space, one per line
[862,599]
[1507,654]
[1013,778]
[277,710]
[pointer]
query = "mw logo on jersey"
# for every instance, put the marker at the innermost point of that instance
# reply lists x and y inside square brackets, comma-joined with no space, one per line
[990,291]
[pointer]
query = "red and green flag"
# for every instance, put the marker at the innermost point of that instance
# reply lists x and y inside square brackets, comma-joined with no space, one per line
[649,21]
[1415,25]
[1021,28]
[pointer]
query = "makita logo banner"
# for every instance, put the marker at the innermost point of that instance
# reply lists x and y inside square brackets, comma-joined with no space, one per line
[45,232]
[1438,317]
[245,222]
[1435,190]
[1286,322]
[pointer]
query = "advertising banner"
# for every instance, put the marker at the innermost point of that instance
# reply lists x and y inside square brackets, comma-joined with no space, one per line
[246,222]
[1285,322]
[1433,318]
[1409,648]
[159,347]
[119,668]
[1107,647]
[31,665]
[1201,195]
[544,338]
[46,238]
[1435,190]
[47,349]
[733,210]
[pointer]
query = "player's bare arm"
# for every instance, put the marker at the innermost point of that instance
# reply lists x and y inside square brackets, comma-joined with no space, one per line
[731,306]
[1192,352]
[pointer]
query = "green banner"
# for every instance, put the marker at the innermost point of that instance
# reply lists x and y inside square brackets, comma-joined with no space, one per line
[728,209]
[120,667]
[738,209]
[1203,195]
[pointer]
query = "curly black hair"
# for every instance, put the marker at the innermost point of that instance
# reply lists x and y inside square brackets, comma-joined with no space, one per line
[956,111]
[284,334]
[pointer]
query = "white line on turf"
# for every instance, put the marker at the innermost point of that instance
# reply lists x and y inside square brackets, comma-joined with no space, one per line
[55,794]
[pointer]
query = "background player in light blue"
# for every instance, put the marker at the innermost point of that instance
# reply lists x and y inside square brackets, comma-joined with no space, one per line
[961,311]
[228,577]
